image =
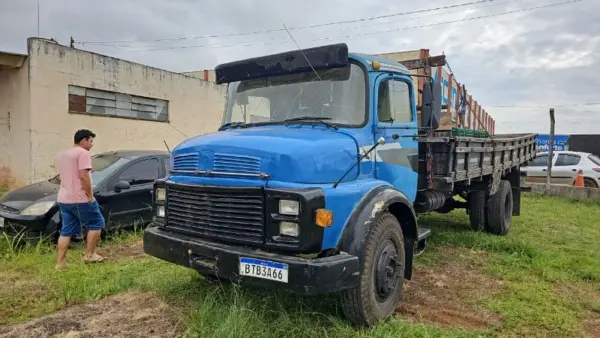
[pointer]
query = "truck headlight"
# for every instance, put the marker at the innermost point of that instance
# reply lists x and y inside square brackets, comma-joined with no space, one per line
[38,209]
[289,207]
[161,194]
[160,211]
[289,229]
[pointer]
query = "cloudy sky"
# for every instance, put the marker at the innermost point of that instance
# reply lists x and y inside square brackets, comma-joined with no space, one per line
[505,52]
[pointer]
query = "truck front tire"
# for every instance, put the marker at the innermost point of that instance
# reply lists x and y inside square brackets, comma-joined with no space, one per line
[382,276]
[499,210]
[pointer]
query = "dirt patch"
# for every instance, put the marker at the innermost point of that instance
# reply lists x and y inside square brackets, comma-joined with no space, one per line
[130,250]
[132,314]
[445,295]
[591,325]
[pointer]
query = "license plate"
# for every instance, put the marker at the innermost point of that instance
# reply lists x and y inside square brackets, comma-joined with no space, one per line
[1,222]
[264,269]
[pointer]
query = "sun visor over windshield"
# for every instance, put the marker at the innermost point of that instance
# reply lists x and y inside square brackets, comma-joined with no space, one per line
[292,62]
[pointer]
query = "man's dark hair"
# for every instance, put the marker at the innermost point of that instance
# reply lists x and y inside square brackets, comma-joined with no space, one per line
[82,134]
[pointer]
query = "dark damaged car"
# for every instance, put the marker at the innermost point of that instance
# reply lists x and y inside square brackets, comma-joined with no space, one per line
[122,183]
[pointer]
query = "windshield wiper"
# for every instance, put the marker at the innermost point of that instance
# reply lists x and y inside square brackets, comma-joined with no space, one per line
[311,118]
[233,125]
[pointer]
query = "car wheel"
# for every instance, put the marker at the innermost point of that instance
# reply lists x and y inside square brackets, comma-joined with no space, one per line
[52,231]
[589,183]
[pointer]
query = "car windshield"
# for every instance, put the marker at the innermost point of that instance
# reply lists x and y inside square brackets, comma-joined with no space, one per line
[337,95]
[102,166]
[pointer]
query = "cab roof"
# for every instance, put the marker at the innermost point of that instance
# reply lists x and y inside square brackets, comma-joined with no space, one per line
[386,64]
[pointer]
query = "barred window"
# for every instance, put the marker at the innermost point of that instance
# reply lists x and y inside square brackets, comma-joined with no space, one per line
[106,103]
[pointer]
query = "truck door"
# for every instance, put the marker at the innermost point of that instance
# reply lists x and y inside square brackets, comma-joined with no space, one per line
[565,169]
[396,121]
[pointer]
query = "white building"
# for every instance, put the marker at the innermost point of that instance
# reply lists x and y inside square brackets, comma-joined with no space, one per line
[46,95]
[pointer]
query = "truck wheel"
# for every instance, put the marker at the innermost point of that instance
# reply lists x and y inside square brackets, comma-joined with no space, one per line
[382,276]
[478,210]
[500,207]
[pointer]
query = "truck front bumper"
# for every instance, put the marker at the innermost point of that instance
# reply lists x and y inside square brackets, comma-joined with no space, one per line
[305,276]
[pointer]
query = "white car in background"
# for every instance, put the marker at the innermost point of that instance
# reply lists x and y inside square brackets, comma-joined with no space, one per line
[565,165]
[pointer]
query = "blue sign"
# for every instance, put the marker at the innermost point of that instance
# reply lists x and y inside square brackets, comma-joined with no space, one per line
[561,142]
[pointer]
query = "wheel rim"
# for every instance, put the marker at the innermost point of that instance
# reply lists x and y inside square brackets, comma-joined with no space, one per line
[387,271]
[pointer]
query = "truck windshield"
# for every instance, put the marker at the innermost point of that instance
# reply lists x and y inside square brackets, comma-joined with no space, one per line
[337,95]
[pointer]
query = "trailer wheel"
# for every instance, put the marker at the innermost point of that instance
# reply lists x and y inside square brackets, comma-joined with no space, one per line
[382,276]
[478,210]
[500,207]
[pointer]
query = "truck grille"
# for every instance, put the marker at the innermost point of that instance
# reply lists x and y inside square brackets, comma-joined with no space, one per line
[222,214]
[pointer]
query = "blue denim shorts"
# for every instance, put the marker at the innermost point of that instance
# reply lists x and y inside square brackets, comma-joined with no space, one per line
[77,215]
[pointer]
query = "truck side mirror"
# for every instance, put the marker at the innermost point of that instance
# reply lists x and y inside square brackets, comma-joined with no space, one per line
[431,110]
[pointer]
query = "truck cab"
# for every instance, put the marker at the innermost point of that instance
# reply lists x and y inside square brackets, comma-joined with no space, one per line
[309,185]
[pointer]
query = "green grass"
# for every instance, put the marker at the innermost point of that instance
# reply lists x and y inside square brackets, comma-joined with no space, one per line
[552,246]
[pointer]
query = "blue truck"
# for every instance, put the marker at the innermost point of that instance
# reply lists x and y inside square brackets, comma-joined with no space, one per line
[315,180]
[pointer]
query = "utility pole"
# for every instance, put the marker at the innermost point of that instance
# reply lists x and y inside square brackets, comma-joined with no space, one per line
[38,18]
[551,149]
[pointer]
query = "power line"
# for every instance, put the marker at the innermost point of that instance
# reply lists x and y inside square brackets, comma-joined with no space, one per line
[549,105]
[338,29]
[293,28]
[242,44]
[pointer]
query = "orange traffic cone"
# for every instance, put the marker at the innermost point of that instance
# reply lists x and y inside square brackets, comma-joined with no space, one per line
[579,179]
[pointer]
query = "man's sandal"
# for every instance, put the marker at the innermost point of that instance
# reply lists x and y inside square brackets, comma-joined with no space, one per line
[90,261]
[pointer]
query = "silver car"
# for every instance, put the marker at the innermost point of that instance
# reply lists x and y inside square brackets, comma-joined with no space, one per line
[565,165]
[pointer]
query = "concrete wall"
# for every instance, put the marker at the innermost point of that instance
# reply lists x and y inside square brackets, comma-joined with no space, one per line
[195,106]
[567,191]
[207,75]
[15,141]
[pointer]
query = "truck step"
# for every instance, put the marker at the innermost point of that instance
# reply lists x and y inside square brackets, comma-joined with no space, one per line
[422,235]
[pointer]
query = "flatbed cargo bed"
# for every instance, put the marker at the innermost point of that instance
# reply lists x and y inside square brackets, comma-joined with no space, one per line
[445,159]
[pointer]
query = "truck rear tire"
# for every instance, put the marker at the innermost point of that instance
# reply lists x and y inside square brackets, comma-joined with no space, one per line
[382,276]
[478,201]
[500,207]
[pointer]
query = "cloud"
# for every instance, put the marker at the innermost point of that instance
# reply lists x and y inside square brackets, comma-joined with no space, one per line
[543,57]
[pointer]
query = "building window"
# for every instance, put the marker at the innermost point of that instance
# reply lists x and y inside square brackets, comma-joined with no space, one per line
[105,103]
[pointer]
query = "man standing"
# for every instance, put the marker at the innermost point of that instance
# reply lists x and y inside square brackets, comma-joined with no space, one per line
[76,199]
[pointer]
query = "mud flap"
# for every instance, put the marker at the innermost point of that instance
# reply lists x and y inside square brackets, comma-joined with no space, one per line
[422,236]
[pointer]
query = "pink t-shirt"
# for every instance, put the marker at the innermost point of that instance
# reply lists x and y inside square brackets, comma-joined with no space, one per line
[69,162]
